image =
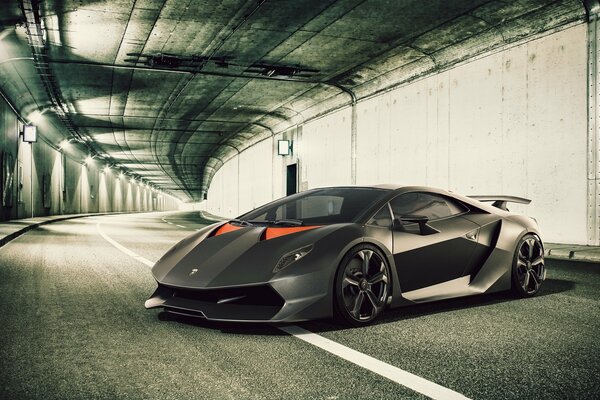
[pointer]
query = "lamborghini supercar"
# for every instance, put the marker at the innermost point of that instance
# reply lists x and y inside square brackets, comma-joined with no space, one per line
[348,253]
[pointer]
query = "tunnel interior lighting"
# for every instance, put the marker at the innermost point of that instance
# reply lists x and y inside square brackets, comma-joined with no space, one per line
[64,145]
[106,169]
[36,116]
[30,133]
[120,175]
[284,147]
[88,160]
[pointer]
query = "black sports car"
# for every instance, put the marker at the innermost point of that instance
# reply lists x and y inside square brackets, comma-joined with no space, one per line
[348,252]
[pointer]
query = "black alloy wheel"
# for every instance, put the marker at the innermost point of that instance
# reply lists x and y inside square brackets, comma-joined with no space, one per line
[362,285]
[529,270]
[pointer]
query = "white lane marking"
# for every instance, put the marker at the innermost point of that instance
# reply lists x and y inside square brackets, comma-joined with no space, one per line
[123,248]
[169,222]
[404,378]
[181,226]
[395,374]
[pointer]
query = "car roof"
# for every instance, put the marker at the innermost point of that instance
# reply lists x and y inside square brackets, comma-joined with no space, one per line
[386,186]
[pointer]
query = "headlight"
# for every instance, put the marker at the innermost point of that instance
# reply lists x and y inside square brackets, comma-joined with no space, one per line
[292,257]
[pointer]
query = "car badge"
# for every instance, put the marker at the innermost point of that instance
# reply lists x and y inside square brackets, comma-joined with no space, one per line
[193,271]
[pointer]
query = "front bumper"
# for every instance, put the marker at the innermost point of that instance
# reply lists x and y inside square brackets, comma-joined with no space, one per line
[252,303]
[291,299]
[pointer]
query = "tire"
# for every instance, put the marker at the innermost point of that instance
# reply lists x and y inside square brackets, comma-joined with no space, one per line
[362,286]
[528,269]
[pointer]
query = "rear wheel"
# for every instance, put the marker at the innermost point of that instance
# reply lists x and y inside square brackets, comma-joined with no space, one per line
[529,270]
[362,285]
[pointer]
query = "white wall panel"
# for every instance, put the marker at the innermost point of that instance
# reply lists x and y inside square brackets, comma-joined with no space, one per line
[325,151]
[255,186]
[557,141]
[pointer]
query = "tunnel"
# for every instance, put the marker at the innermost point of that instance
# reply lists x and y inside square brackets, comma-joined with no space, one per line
[194,195]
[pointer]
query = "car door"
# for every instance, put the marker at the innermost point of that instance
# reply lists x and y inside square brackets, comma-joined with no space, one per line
[441,253]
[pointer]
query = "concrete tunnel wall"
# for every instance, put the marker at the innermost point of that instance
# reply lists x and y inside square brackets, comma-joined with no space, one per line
[512,122]
[39,180]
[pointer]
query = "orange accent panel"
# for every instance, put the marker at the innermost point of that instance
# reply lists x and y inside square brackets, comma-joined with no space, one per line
[226,228]
[272,233]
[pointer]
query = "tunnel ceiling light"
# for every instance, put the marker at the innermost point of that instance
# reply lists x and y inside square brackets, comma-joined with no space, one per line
[29,133]
[106,169]
[284,147]
[64,145]
[120,175]
[36,116]
[88,160]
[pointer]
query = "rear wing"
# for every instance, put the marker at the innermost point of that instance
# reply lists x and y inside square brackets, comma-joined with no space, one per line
[500,201]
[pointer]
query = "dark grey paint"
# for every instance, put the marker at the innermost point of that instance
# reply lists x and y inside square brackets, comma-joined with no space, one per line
[472,253]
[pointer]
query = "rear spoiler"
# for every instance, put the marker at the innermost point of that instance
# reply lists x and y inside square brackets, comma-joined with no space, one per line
[500,201]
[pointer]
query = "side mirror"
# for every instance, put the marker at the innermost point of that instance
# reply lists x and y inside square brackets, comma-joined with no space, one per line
[397,225]
[422,220]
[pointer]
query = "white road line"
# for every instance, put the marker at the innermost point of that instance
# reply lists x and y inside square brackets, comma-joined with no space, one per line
[169,222]
[404,378]
[123,248]
[395,374]
[181,226]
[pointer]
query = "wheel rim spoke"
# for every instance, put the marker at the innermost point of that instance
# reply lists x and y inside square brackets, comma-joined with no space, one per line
[374,300]
[538,260]
[366,260]
[348,280]
[523,257]
[526,281]
[521,263]
[536,279]
[357,304]
[531,244]
[380,277]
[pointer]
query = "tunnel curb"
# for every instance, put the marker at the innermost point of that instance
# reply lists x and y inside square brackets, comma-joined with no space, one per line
[555,251]
[211,217]
[13,235]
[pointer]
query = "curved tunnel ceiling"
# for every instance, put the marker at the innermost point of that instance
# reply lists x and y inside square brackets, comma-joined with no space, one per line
[172,89]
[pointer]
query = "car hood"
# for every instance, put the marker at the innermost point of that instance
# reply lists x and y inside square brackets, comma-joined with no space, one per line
[239,257]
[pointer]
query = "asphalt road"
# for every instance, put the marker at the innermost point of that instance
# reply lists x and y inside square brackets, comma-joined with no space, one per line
[72,325]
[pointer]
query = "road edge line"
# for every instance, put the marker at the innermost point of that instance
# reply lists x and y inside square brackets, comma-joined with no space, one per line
[123,248]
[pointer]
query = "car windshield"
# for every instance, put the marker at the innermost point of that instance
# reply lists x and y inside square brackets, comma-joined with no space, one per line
[315,207]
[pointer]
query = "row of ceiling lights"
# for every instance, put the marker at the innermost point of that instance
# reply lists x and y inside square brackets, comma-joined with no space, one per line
[89,160]
[64,145]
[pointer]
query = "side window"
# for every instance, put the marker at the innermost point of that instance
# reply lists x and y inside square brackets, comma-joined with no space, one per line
[383,218]
[430,205]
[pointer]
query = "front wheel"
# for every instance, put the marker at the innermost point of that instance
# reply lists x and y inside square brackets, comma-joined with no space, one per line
[362,285]
[529,270]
